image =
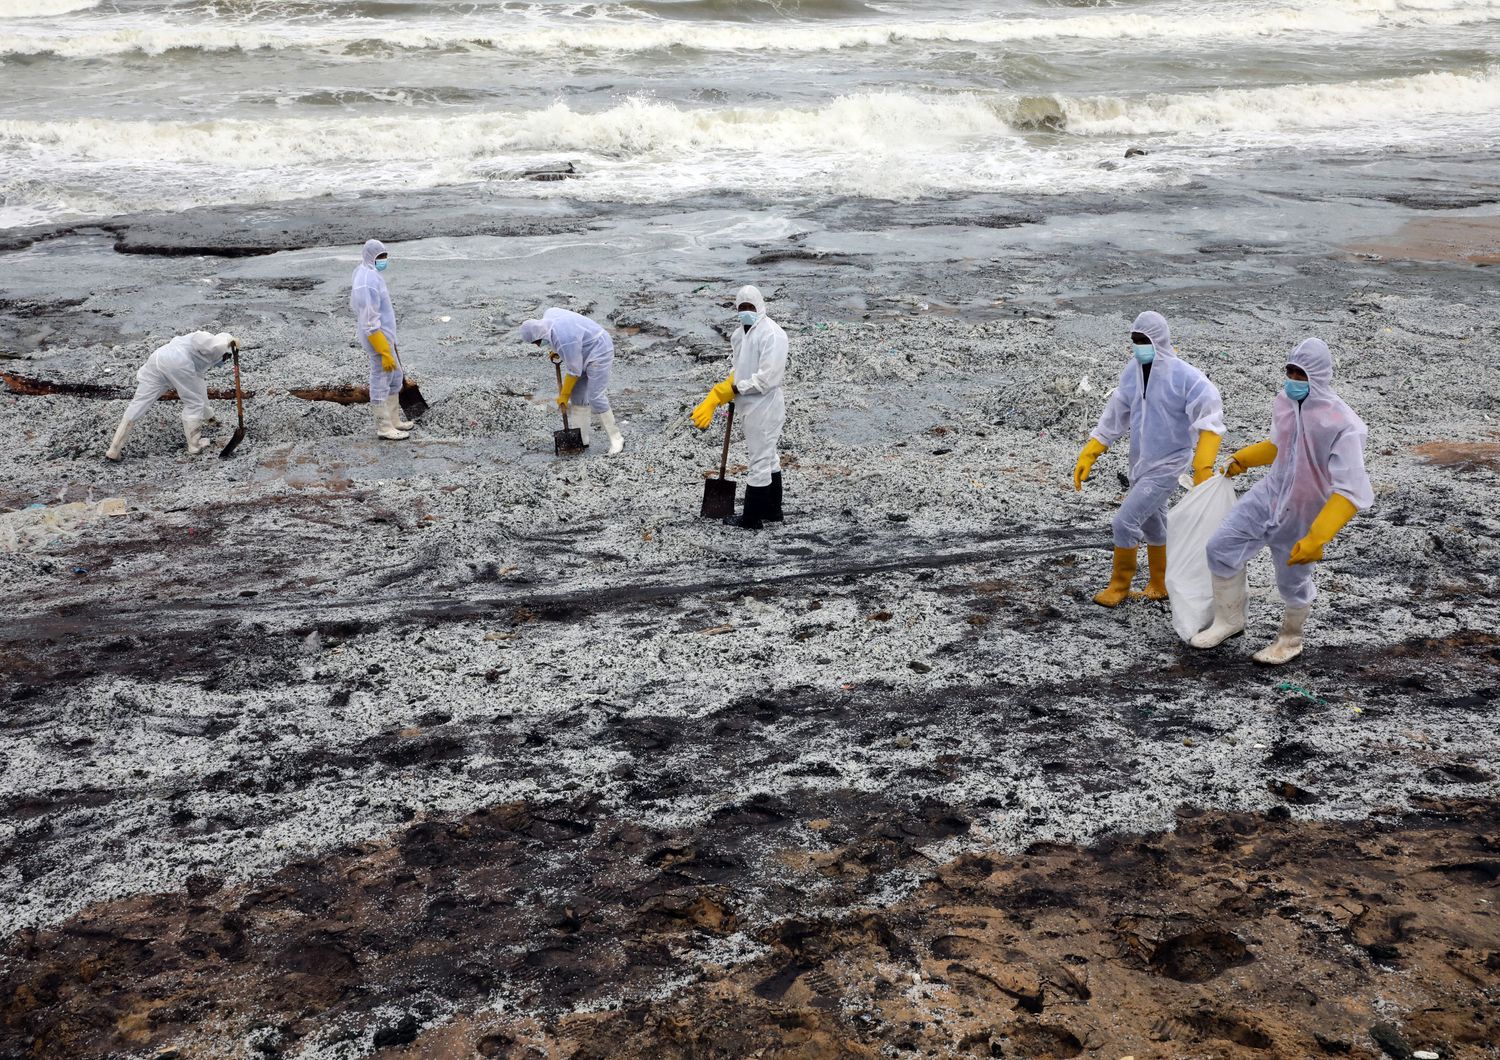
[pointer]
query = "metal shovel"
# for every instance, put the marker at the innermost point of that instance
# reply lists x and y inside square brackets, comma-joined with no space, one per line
[569,440]
[718,493]
[411,401]
[239,406]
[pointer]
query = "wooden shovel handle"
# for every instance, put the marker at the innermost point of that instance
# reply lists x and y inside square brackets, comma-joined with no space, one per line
[724,458]
[557,367]
[239,397]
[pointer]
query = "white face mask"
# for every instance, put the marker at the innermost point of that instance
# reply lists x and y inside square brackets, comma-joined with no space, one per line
[748,317]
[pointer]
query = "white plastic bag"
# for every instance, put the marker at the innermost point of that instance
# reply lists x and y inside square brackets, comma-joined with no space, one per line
[1190,523]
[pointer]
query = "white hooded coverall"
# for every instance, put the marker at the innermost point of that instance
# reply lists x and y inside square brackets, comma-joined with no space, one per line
[370,300]
[1164,417]
[1320,450]
[759,357]
[180,365]
[586,350]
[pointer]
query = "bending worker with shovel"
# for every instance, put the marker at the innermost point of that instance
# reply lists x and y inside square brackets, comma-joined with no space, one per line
[588,360]
[1175,419]
[758,350]
[180,365]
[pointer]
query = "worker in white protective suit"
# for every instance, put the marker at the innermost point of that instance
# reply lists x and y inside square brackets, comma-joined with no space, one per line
[758,350]
[1316,484]
[588,360]
[1175,419]
[375,324]
[181,365]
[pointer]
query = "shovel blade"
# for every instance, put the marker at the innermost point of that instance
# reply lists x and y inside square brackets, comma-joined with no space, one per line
[718,498]
[234,441]
[412,402]
[567,441]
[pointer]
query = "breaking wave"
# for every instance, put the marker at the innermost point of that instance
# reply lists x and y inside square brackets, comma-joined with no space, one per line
[612,34]
[869,124]
[43,8]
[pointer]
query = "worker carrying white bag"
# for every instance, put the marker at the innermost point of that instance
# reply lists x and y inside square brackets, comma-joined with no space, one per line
[1190,524]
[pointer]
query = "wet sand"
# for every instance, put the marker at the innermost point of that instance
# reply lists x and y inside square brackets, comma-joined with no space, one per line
[1472,240]
[453,745]
[1234,935]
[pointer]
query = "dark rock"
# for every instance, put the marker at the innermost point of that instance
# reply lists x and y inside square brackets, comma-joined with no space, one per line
[1135,152]
[1390,1041]
[403,1032]
[771,257]
[200,886]
[1285,789]
[556,171]
[494,1045]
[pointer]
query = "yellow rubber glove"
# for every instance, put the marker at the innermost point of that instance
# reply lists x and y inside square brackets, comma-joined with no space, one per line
[1338,511]
[383,347]
[1092,451]
[1258,455]
[721,394]
[1204,456]
[568,383]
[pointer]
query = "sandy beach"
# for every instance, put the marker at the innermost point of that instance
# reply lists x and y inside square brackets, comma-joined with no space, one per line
[463,681]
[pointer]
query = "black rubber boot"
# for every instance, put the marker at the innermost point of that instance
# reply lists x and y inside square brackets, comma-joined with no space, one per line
[752,516]
[773,504]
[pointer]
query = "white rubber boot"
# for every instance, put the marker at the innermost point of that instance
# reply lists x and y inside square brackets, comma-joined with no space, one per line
[616,439]
[1229,612]
[582,417]
[196,443]
[1288,643]
[116,447]
[393,408]
[385,426]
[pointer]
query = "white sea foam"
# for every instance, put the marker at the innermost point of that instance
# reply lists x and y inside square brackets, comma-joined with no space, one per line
[873,124]
[43,8]
[881,145]
[1394,103]
[523,36]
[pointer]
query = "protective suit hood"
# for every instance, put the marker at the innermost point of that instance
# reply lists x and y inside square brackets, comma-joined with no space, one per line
[1312,356]
[1163,421]
[373,249]
[1154,326]
[532,330]
[750,293]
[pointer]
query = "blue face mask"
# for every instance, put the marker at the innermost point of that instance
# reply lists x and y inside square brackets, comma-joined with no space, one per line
[1145,354]
[381,264]
[1297,389]
[748,318]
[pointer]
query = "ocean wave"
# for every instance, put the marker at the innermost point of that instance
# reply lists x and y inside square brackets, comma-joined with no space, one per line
[883,145]
[753,10]
[868,123]
[43,8]
[636,127]
[893,146]
[97,38]
[1398,102]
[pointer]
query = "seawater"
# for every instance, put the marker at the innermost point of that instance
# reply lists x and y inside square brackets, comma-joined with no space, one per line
[116,106]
